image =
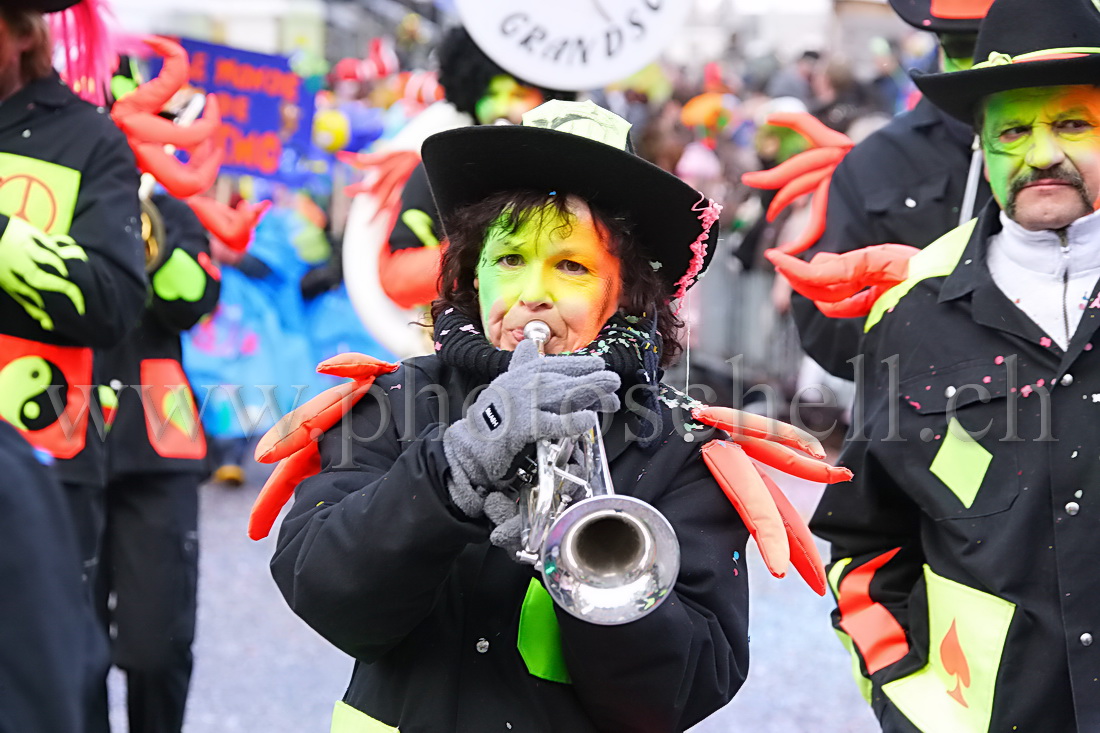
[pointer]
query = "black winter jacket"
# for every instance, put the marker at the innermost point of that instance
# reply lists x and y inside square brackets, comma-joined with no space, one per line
[145,436]
[963,551]
[67,180]
[374,556]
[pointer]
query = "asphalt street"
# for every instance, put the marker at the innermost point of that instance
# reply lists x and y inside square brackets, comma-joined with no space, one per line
[258,669]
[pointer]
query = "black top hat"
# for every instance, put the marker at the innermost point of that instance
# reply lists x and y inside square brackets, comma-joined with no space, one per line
[1022,43]
[42,6]
[578,148]
[942,16]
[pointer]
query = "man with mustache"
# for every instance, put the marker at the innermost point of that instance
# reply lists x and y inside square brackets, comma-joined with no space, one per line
[963,552]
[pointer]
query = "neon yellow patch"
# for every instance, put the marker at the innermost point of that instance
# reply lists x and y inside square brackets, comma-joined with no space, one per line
[967,630]
[936,260]
[961,463]
[180,278]
[21,381]
[420,223]
[40,193]
[862,683]
[539,639]
[346,719]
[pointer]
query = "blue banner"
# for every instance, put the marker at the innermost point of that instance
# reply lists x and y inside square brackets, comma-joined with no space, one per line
[267,113]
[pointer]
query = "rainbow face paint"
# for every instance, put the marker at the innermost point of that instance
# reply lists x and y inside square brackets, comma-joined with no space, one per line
[1042,151]
[552,268]
[505,98]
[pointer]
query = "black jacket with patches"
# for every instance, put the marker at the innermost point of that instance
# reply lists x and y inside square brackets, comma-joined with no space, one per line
[904,184]
[67,171]
[963,551]
[374,556]
[182,290]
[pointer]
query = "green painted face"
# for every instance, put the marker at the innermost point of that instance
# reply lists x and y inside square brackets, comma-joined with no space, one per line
[552,268]
[1042,153]
[957,51]
[505,98]
[957,64]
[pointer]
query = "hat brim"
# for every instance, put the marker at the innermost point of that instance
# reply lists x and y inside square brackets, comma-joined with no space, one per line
[958,93]
[918,13]
[467,165]
[44,6]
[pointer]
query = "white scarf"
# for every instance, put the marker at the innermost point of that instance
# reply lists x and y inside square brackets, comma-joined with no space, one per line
[1048,282]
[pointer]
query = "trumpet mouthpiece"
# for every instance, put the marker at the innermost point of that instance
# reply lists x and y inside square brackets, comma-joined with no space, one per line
[536,331]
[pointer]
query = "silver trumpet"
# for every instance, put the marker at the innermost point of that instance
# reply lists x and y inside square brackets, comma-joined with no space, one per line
[605,558]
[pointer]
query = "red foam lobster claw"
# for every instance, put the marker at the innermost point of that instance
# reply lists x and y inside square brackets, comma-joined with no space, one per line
[846,285]
[293,441]
[234,226]
[780,532]
[810,171]
[137,115]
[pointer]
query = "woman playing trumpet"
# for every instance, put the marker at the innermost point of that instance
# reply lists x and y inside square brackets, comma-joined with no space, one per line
[401,551]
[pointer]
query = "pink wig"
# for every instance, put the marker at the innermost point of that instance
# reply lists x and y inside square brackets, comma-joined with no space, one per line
[84,40]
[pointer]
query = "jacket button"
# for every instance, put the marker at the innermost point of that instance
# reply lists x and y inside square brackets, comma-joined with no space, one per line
[1067,380]
[1072,508]
[1086,639]
[949,392]
[482,645]
[910,203]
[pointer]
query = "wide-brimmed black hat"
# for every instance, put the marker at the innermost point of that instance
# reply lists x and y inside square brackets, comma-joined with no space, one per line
[942,16]
[1022,43]
[582,149]
[42,6]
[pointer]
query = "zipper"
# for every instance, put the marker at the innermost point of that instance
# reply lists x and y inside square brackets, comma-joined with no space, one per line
[1063,242]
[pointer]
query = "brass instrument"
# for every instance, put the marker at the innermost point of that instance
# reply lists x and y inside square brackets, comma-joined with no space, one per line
[152,233]
[605,558]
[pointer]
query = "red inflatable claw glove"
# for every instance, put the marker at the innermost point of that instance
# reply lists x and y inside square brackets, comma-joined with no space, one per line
[846,285]
[386,174]
[780,533]
[233,226]
[293,441]
[137,115]
[810,171]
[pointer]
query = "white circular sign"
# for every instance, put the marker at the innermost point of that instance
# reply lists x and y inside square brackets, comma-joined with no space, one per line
[573,45]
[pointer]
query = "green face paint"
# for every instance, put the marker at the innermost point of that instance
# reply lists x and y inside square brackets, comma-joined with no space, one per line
[957,64]
[1042,149]
[505,98]
[552,268]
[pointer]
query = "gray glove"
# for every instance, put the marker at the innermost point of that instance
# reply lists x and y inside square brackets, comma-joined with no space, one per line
[537,398]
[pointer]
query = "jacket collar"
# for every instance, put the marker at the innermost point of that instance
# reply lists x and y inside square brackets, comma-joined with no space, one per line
[48,92]
[1042,251]
[989,305]
[971,272]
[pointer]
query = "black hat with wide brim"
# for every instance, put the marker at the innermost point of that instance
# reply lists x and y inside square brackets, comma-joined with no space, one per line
[942,16]
[1021,44]
[672,221]
[42,6]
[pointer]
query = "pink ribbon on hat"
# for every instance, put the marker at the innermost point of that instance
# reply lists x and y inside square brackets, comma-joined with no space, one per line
[708,214]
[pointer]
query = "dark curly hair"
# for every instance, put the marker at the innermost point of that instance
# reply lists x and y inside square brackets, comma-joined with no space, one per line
[644,291]
[465,72]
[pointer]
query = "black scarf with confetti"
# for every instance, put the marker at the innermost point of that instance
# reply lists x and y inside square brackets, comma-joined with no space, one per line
[629,345]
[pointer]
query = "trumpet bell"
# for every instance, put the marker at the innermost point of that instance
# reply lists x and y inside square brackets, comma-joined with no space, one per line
[610,559]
